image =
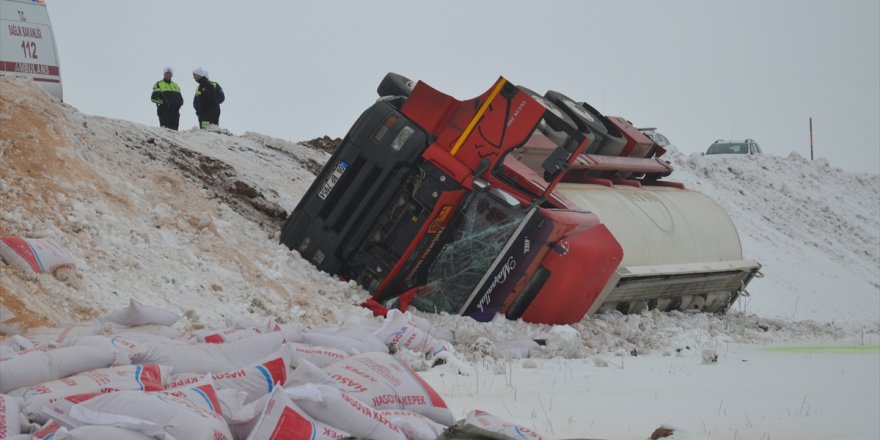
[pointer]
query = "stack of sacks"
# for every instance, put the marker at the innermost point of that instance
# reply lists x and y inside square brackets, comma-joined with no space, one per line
[131,375]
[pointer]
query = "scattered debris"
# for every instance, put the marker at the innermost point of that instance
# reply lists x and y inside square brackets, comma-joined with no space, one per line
[662,432]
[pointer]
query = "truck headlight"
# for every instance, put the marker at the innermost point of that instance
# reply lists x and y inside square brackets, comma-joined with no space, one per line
[401,138]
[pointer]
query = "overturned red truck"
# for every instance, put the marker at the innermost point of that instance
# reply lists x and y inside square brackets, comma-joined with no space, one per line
[535,207]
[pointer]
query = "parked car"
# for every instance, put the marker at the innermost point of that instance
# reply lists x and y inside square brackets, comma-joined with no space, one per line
[748,146]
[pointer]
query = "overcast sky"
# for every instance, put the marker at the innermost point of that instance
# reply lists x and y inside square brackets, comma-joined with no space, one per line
[698,70]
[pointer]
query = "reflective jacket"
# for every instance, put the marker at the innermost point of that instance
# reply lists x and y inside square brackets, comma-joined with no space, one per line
[166,95]
[205,102]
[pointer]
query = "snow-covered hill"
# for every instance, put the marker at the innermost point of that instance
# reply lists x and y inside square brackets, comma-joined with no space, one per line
[814,227]
[188,221]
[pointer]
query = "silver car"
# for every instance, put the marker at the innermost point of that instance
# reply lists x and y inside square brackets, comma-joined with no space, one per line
[747,146]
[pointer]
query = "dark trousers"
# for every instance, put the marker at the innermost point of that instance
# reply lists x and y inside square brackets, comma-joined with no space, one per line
[169,119]
[212,118]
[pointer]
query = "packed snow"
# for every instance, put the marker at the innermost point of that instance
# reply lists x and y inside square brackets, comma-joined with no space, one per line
[189,222]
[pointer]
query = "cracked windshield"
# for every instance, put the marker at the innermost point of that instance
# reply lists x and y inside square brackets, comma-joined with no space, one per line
[479,234]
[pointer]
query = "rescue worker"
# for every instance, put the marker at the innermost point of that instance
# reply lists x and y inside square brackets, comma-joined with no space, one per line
[205,103]
[166,95]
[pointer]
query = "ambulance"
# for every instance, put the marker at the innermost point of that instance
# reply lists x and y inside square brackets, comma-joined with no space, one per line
[27,44]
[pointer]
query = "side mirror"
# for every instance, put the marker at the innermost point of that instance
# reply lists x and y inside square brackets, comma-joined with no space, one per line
[555,163]
[481,185]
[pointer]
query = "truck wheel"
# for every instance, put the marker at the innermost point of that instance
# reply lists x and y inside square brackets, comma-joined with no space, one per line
[395,85]
[584,118]
[552,107]
[590,120]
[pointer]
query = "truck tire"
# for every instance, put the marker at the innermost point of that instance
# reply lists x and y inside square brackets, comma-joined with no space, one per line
[589,120]
[395,85]
[549,105]
[586,119]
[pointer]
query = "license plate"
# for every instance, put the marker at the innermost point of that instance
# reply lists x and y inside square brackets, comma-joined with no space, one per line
[332,180]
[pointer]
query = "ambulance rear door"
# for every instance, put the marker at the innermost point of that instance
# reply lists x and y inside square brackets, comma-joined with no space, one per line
[27,44]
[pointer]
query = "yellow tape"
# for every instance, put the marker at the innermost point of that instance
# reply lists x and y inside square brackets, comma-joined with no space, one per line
[473,123]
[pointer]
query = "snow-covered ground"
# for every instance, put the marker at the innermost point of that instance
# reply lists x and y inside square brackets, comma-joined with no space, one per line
[188,221]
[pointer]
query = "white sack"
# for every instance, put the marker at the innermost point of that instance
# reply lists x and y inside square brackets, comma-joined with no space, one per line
[18,343]
[47,431]
[205,358]
[59,409]
[202,395]
[154,414]
[243,421]
[415,426]
[156,330]
[58,336]
[10,408]
[35,255]
[320,356]
[283,419]
[37,367]
[339,409]
[231,402]
[255,380]
[489,422]
[148,377]
[120,345]
[137,314]
[237,330]
[385,382]
[349,341]
[400,331]
[92,432]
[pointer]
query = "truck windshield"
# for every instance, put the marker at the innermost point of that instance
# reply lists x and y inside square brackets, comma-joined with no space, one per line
[479,232]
